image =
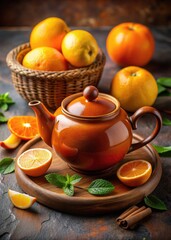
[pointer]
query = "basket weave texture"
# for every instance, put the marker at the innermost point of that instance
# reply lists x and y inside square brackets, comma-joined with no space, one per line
[51,87]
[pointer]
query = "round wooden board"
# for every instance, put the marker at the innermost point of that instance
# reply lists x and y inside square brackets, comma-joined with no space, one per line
[82,202]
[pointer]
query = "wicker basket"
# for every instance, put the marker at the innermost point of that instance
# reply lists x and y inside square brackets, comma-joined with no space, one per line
[51,87]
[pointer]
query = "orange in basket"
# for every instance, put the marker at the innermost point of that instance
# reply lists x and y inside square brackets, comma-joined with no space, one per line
[49,32]
[45,59]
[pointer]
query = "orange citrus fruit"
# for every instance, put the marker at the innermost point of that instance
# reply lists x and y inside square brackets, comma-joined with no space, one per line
[24,127]
[45,59]
[130,44]
[49,33]
[11,142]
[21,200]
[35,162]
[79,48]
[134,173]
[134,87]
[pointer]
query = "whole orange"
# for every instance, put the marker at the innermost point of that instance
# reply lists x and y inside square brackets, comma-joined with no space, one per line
[45,59]
[80,48]
[134,87]
[49,33]
[130,44]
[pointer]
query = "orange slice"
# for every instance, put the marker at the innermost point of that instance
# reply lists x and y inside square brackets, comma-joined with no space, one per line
[24,127]
[21,200]
[11,142]
[134,173]
[35,162]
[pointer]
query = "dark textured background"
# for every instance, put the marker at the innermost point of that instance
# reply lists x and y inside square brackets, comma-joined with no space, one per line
[91,13]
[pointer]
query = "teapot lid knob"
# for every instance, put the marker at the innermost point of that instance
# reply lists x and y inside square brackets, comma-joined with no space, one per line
[90,93]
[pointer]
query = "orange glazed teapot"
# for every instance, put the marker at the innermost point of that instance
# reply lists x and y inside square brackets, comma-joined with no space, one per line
[90,131]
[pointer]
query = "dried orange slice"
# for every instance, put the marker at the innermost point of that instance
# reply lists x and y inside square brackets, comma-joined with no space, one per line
[134,173]
[35,162]
[24,127]
[21,200]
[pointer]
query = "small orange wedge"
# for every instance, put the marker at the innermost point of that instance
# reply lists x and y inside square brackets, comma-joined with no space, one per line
[35,162]
[21,200]
[24,127]
[134,173]
[11,142]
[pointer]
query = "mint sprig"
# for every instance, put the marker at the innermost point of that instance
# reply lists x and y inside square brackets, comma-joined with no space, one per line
[5,102]
[97,187]
[65,182]
[154,202]
[7,165]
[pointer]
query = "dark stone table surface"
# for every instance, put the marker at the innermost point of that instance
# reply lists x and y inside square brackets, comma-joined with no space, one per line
[41,222]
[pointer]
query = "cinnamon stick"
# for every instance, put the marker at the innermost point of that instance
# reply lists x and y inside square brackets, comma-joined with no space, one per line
[132,216]
[126,213]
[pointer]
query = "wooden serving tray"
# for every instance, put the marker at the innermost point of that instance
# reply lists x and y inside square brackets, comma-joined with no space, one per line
[82,202]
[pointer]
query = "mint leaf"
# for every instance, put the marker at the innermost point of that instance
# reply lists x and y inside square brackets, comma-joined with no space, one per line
[154,202]
[7,165]
[75,179]
[56,179]
[166,121]
[100,187]
[69,189]
[5,101]
[3,119]
[166,82]
[163,151]
[160,88]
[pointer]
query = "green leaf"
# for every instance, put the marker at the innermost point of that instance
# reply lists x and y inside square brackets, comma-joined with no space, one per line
[166,82]
[5,101]
[69,189]
[163,151]
[166,121]
[3,119]
[154,202]
[56,179]
[100,187]
[75,179]
[4,106]
[7,165]
[160,88]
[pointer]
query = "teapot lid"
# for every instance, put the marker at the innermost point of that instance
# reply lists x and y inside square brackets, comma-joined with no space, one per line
[90,104]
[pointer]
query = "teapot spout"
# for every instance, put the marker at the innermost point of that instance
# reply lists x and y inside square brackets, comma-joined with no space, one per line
[45,120]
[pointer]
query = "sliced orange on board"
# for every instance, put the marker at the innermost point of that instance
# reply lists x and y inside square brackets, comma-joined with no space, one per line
[21,200]
[35,162]
[24,127]
[134,173]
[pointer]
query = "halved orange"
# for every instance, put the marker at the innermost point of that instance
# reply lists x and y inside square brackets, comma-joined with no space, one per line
[21,200]
[134,173]
[35,162]
[24,127]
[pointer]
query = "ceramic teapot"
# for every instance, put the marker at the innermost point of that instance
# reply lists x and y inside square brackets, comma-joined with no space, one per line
[90,131]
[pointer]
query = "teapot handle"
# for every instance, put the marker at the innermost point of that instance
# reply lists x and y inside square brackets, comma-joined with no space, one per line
[134,120]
